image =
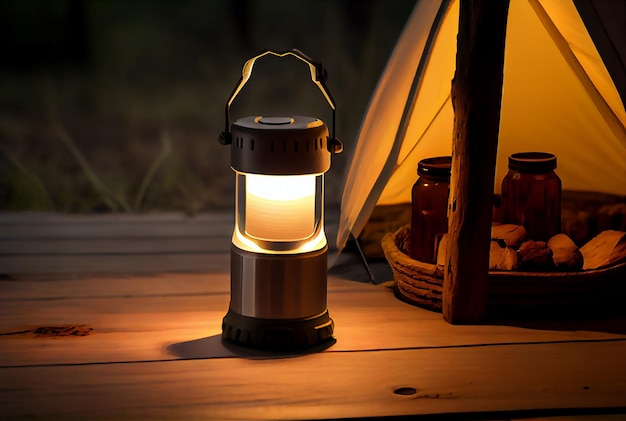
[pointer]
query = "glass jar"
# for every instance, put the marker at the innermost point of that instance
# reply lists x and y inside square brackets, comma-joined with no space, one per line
[429,208]
[531,194]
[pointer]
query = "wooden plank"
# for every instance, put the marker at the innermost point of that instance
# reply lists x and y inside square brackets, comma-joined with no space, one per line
[116,243]
[49,287]
[43,225]
[114,246]
[122,230]
[50,218]
[171,316]
[155,349]
[487,380]
[476,97]
[122,263]
[216,243]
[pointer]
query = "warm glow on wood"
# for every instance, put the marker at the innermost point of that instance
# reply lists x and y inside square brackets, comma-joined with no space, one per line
[280,208]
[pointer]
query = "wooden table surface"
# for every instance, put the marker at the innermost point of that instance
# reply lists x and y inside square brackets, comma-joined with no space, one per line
[153,290]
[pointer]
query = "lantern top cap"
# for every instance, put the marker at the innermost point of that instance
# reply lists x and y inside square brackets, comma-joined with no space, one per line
[280,145]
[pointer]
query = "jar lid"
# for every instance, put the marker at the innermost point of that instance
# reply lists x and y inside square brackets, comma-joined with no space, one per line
[532,161]
[435,167]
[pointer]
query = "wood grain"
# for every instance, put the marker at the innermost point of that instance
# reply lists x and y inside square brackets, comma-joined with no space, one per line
[326,385]
[49,243]
[51,225]
[155,348]
[476,97]
[170,316]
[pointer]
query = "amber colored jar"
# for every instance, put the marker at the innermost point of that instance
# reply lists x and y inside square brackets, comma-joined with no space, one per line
[531,194]
[429,206]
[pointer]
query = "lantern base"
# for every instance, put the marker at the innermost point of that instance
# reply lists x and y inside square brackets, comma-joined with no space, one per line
[277,334]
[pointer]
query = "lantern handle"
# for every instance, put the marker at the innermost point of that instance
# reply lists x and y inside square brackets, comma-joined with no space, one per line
[318,76]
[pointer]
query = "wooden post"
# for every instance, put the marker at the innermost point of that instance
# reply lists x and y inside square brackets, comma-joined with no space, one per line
[476,98]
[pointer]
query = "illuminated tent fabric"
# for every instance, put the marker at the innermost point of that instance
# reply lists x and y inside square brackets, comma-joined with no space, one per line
[558,97]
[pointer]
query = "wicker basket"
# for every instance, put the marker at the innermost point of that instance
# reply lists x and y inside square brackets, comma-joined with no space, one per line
[421,283]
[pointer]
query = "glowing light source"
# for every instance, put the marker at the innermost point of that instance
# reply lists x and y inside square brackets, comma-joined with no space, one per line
[280,208]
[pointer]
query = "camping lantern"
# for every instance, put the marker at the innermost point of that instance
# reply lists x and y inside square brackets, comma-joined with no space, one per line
[279,248]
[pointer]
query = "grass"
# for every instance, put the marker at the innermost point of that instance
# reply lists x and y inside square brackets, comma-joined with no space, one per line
[116,106]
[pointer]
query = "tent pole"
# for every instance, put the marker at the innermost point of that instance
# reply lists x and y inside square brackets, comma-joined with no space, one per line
[363,258]
[476,99]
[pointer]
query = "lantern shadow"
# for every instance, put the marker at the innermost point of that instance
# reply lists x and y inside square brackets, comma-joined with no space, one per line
[213,347]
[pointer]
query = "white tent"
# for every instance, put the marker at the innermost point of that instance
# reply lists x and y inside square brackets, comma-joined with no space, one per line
[558,96]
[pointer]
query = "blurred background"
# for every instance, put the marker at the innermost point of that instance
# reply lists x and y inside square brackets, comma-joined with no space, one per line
[115,105]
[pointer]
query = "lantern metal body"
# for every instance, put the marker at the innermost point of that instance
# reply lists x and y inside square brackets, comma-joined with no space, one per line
[279,249]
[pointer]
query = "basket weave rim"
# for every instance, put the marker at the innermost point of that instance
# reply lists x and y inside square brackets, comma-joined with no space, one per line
[395,255]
